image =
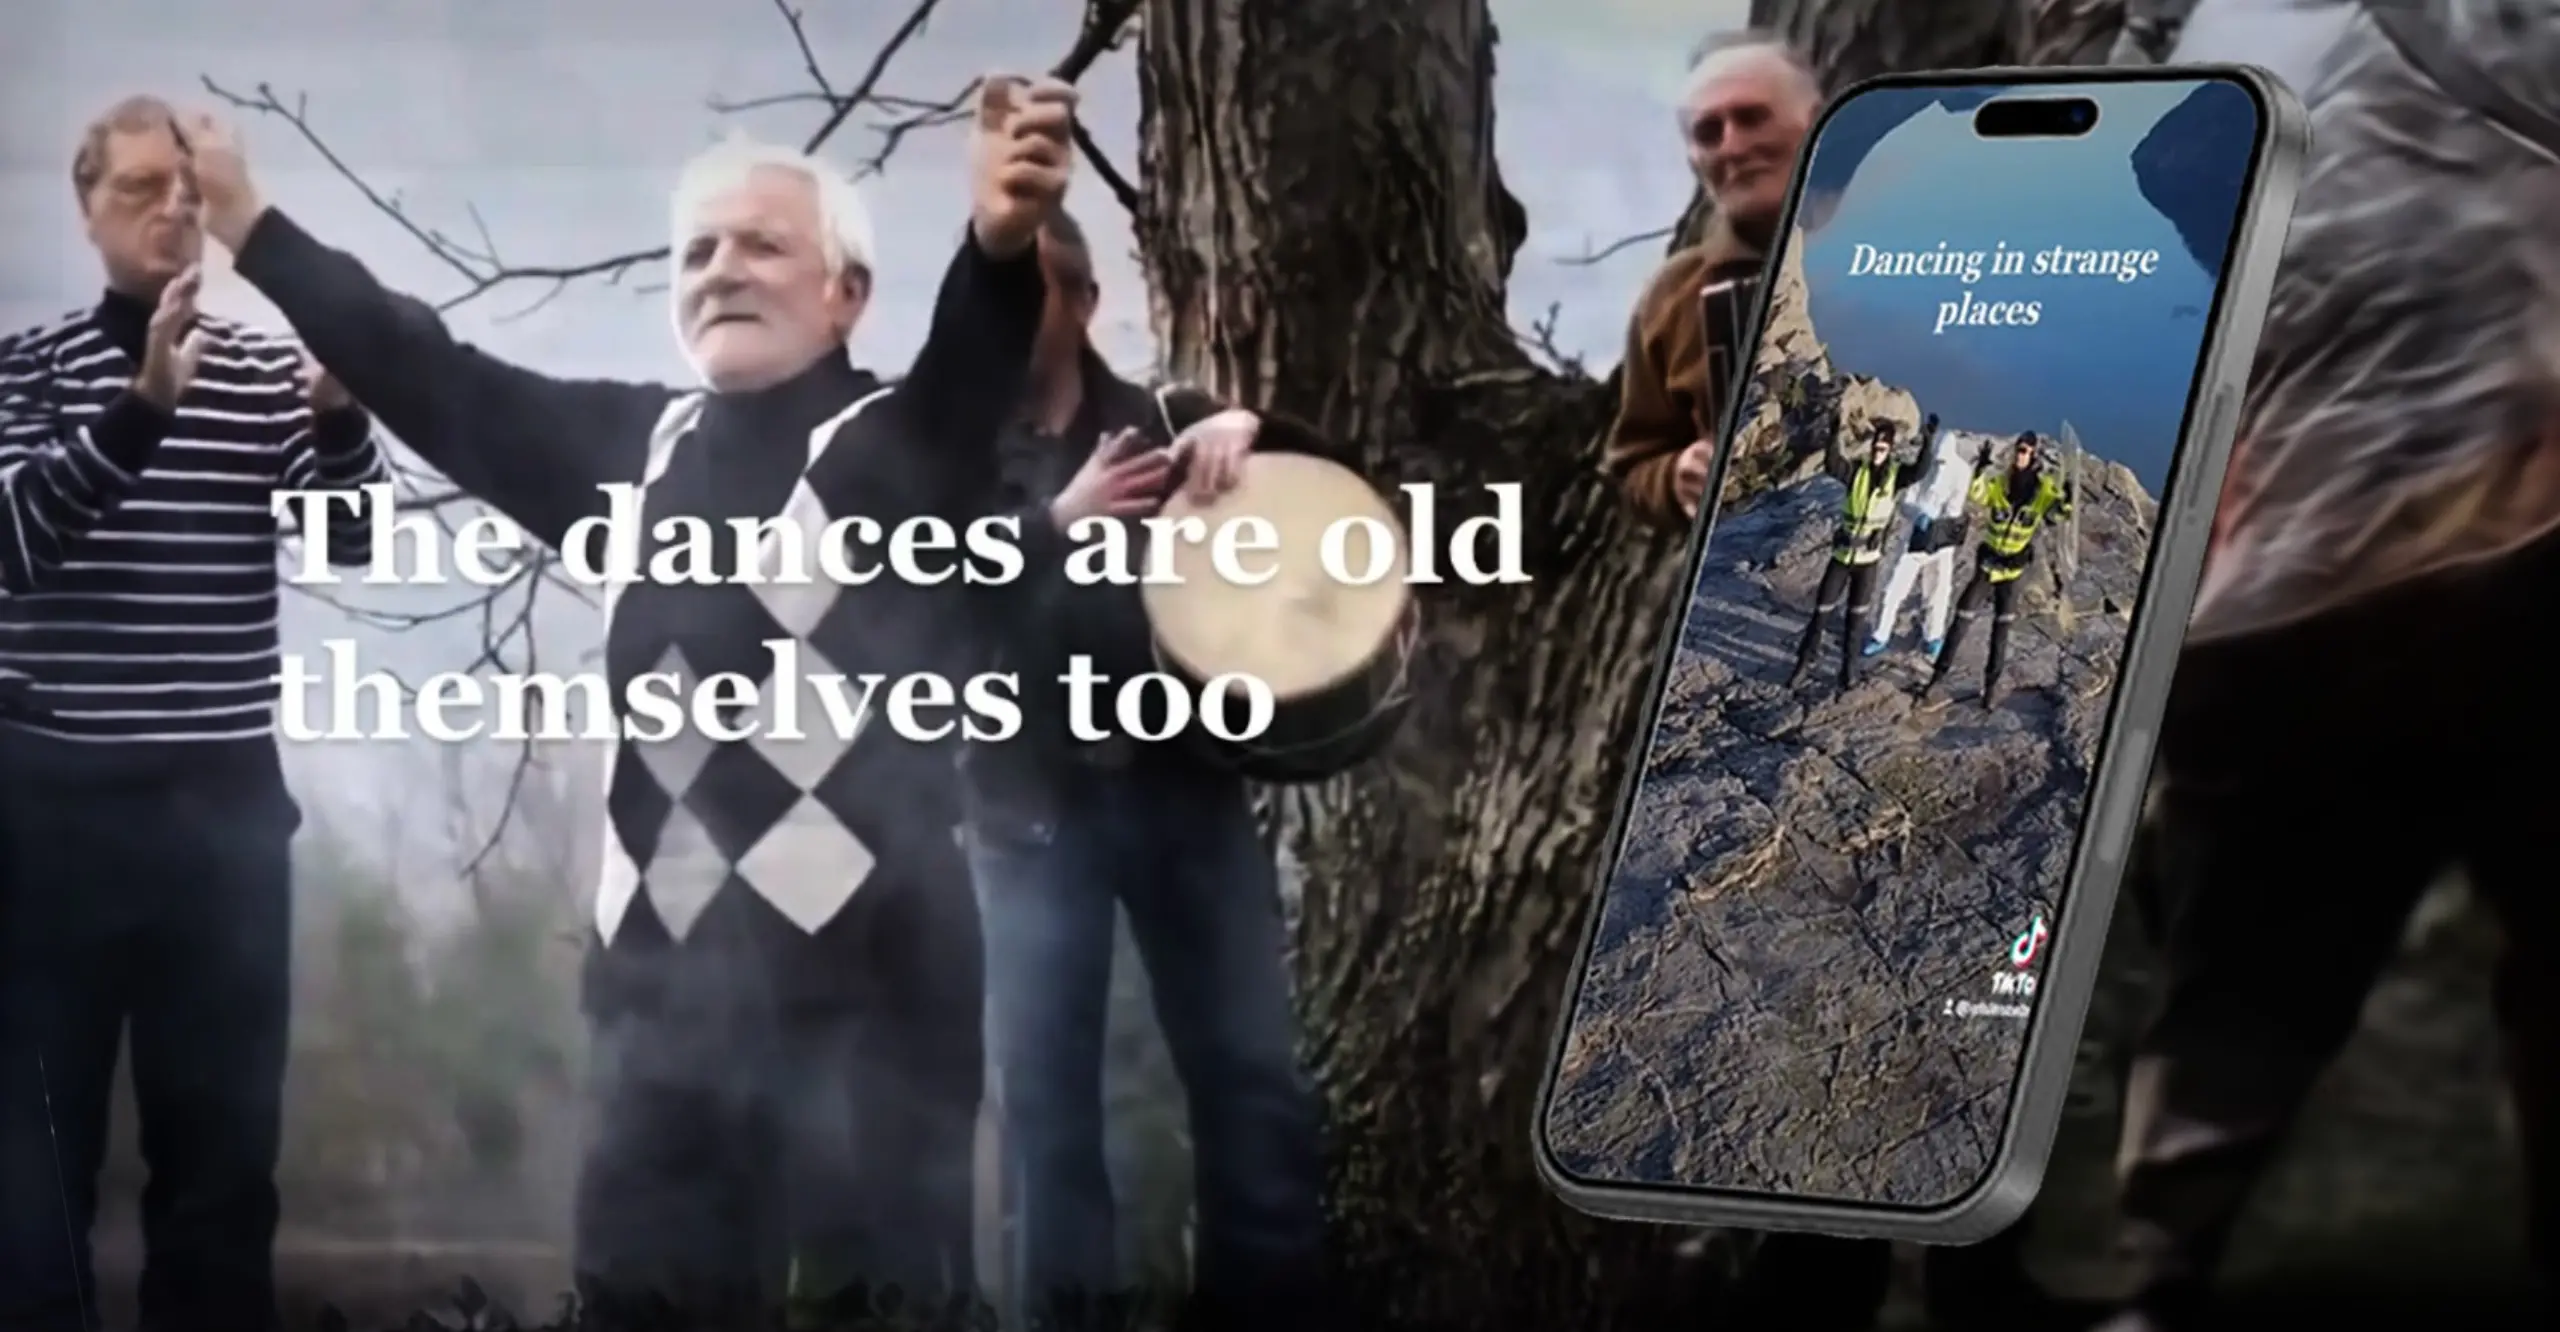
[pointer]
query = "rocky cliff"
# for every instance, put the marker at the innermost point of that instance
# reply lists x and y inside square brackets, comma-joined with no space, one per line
[1816,879]
[1797,397]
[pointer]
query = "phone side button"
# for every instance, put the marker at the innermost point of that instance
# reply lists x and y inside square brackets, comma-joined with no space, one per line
[2125,801]
[2218,418]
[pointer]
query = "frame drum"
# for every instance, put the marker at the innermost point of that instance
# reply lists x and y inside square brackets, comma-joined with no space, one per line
[1334,653]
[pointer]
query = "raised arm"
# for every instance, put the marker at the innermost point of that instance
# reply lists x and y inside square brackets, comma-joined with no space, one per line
[1838,462]
[58,483]
[534,447]
[970,375]
[972,370]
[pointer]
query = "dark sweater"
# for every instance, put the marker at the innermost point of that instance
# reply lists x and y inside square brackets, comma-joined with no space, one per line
[138,547]
[761,873]
[1051,618]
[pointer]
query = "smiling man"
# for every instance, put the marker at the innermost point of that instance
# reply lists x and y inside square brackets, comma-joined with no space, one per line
[784,976]
[1748,103]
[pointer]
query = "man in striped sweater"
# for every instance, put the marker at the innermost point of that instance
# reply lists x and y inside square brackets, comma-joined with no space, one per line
[144,822]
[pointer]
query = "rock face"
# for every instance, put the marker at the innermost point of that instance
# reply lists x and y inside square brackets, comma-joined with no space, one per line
[1796,397]
[2189,168]
[1793,984]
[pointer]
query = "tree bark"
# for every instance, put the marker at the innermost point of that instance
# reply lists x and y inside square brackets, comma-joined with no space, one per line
[1326,233]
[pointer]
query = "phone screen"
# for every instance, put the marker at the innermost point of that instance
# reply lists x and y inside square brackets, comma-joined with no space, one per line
[1848,844]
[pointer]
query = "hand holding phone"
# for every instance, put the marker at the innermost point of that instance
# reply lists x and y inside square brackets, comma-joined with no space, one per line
[1689,475]
[1858,883]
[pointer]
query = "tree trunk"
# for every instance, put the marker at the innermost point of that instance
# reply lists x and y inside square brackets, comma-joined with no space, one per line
[1326,233]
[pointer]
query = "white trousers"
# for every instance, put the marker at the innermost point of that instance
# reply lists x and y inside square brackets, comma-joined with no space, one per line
[1940,567]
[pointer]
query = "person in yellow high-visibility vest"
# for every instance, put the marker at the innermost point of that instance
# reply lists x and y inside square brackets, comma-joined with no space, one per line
[1875,476]
[2016,501]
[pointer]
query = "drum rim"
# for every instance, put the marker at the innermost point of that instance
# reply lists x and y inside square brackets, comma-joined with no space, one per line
[1401,590]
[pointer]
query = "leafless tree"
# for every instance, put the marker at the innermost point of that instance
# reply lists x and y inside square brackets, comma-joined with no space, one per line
[1325,230]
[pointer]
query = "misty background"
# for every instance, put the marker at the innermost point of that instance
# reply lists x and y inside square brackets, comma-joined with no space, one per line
[436,1043]
[556,130]
[432,1126]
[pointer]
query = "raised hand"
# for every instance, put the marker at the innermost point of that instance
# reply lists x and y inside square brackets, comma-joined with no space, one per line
[231,202]
[1021,152]
[1120,480]
[173,346]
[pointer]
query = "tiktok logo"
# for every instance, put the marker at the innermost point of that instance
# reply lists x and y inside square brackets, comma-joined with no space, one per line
[2024,950]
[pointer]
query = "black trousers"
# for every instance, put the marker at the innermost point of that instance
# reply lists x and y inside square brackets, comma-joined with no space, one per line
[163,911]
[1849,585]
[2001,596]
[740,1160]
[2313,780]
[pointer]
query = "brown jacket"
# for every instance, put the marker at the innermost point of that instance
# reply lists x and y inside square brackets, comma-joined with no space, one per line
[1664,400]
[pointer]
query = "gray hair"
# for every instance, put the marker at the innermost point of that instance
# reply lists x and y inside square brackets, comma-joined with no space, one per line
[844,220]
[2413,341]
[1718,44]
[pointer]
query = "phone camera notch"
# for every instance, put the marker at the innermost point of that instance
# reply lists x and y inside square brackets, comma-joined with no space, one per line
[2036,118]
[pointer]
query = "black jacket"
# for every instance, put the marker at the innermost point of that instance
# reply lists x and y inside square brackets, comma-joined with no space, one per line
[541,450]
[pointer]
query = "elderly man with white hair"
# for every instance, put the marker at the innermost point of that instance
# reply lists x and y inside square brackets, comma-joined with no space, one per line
[1744,111]
[784,978]
[2364,699]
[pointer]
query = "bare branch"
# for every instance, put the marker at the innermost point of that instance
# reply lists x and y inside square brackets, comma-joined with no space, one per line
[1539,338]
[1108,24]
[1120,186]
[1591,256]
[908,30]
[506,614]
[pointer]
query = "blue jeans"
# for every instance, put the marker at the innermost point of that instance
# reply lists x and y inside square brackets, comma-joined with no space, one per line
[1176,846]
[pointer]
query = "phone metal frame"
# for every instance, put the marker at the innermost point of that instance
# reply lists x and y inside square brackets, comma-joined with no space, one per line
[2121,768]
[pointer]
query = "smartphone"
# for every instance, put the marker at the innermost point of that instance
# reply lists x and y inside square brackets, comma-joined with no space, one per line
[1726,308]
[1854,899]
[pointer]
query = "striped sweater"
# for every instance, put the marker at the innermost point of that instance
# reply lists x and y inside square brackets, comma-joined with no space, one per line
[139,589]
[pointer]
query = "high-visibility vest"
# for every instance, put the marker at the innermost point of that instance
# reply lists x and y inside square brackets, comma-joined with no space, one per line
[1866,514]
[2013,525]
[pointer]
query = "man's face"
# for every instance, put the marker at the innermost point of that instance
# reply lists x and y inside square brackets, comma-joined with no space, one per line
[753,295]
[143,214]
[1069,311]
[1882,445]
[2025,458]
[1747,116]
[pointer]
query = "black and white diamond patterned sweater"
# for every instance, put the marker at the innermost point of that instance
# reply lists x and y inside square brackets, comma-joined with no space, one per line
[782,873]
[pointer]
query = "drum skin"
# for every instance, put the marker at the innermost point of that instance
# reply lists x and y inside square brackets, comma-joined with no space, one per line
[1315,736]
[1334,653]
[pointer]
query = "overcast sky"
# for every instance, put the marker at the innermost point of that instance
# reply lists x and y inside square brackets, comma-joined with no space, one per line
[560,124]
